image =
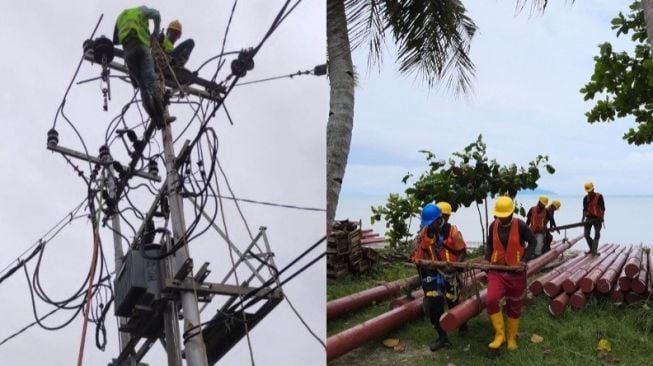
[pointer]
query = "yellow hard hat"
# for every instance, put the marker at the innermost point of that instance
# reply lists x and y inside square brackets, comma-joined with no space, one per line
[503,207]
[589,186]
[543,200]
[556,204]
[445,207]
[175,25]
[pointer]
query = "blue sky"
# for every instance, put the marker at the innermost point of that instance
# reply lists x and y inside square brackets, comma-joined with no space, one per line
[526,101]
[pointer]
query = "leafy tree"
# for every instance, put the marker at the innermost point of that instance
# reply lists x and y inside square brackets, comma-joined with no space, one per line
[468,177]
[622,82]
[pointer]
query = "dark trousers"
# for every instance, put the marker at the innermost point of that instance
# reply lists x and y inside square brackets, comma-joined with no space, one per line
[434,308]
[593,244]
[182,52]
[141,68]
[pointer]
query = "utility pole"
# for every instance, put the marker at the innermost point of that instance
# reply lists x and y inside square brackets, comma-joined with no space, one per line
[119,255]
[195,348]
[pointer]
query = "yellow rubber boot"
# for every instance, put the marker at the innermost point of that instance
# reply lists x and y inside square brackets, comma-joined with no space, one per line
[499,331]
[513,327]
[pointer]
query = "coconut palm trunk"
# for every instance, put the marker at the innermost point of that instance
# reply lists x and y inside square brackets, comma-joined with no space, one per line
[647,7]
[341,108]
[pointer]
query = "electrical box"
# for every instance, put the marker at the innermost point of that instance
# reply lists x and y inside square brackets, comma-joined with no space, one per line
[139,281]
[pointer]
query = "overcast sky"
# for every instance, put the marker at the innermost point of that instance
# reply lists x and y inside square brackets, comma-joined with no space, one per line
[274,152]
[526,102]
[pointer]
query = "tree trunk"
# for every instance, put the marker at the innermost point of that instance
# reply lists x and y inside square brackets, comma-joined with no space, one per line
[341,113]
[647,7]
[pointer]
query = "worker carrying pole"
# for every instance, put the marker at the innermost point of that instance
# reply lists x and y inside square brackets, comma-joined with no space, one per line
[506,245]
[439,285]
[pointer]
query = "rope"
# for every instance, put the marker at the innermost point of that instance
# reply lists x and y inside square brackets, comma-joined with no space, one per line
[87,300]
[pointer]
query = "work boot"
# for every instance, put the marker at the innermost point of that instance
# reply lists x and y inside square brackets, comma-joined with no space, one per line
[440,343]
[463,329]
[513,326]
[499,331]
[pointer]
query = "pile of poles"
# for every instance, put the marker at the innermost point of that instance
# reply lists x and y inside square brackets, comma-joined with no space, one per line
[622,272]
[409,308]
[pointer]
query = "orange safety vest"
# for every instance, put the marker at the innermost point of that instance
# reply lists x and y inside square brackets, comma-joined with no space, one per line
[424,248]
[510,254]
[452,245]
[593,206]
[538,219]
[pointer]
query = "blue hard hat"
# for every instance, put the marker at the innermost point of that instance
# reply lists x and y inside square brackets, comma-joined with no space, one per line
[430,213]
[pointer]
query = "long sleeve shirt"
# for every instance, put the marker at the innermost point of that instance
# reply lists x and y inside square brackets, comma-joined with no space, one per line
[551,218]
[525,234]
[153,14]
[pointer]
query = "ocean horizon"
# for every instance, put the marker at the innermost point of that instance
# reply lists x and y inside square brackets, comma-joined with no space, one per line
[624,223]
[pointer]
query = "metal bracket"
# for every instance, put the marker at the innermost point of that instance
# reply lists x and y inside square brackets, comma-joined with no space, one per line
[96,160]
[208,289]
[202,273]
[185,269]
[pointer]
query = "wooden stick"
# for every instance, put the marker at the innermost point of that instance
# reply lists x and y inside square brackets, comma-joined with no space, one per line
[468,265]
[569,226]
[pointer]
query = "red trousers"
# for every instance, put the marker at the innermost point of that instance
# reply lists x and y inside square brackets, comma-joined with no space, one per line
[510,285]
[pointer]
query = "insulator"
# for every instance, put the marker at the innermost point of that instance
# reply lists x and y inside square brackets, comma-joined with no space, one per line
[153,167]
[53,137]
[104,152]
[102,50]
[87,45]
[320,70]
[238,68]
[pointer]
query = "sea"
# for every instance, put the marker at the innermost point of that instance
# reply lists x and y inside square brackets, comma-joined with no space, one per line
[626,219]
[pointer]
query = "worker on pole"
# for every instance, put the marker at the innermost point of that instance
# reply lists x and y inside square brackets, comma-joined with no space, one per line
[537,219]
[506,245]
[180,54]
[593,213]
[436,283]
[132,32]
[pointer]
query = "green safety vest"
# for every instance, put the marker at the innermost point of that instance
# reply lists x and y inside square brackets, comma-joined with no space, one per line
[167,45]
[132,22]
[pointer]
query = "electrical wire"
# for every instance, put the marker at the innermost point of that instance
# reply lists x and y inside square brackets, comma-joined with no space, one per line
[282,205]
[298,73]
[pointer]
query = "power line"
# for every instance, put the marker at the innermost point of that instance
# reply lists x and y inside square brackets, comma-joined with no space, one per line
[271,203]
[41,242]
[24,329]
[317,71]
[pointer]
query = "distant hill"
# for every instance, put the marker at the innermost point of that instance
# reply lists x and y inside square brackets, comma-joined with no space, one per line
[536,191]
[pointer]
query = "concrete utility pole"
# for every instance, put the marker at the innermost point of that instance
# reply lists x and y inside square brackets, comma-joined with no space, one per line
[195,349]
[119,255]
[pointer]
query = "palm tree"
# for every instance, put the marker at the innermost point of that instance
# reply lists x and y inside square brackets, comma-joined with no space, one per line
[432,39]
[647,7]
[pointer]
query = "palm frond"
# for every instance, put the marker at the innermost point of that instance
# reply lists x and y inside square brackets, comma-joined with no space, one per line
[433,38]
[537,6]
[365,19]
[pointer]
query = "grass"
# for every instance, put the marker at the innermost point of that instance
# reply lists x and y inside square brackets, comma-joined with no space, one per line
[570,339]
